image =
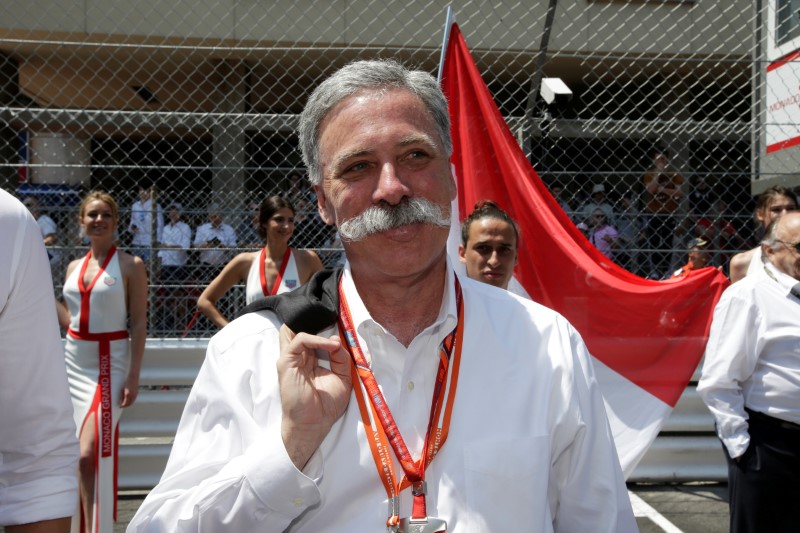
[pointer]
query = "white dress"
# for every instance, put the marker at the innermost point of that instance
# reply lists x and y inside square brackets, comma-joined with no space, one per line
[288,279]
[98,358]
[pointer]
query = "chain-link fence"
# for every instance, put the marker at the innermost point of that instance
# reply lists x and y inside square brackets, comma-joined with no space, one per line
[192,107]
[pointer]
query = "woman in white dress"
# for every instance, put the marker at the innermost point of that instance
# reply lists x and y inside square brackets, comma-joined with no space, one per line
[105,294]
[274,269]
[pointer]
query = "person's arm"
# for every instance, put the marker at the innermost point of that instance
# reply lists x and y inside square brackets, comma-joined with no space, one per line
[589,484]
[230,237]
[159,222]
[201,238]
[309,264]
[229,469]
[62,311]
[651,182]
[136,292]
[49,230]
[234,272]
[730,358]
[132,227]
[185,240]
[740,263]
[676,190]
[58,525]
[611,236]
[312,397]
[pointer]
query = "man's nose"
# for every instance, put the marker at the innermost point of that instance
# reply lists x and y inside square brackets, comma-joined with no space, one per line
[390,187]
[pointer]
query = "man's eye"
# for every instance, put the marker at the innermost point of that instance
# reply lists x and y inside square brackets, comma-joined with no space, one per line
[417,155]
[357,167]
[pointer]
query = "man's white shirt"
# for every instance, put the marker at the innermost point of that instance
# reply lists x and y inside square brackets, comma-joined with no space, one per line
[753,355]
[529,447]
[38,443]
[48,227]
[142,218]
[208,232]
[178,234]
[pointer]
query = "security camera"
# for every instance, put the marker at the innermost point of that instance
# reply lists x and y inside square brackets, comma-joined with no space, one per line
[555,91]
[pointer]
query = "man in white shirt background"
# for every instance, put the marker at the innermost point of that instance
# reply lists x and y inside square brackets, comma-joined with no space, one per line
[176,239]
[279,434]
[141,224]
[49,231]
[751,383]
[213,238]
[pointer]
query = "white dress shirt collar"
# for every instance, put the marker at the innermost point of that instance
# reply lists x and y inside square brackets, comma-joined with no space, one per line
[444,323]
[787,282]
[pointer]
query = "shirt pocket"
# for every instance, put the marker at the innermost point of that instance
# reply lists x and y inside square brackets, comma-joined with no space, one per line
[506,484]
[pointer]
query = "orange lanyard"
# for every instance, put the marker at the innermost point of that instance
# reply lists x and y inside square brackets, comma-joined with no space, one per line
[385,431]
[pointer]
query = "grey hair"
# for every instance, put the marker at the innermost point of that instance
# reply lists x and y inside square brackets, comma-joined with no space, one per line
[374,75]
[771,234]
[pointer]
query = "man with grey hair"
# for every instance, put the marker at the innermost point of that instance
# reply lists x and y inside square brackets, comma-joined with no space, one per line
[751,383]
[318,411]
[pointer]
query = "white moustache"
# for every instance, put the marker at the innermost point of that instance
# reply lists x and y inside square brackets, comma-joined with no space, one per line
[384,217]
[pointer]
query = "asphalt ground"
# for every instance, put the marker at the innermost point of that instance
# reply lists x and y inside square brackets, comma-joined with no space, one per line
[672,508]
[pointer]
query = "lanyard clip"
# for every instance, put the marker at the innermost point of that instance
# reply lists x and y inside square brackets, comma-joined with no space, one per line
[419,488]
[393,522]
[428,524]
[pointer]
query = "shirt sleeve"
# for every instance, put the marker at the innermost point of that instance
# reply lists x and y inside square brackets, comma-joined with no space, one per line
[136,207]
[159,222]
[38,440]
[230,235]
[200,237]
[47,226]
[590,494]
[730,358]
[228,469]
[185,239]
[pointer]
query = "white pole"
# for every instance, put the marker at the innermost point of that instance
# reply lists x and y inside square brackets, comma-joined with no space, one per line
[448,23]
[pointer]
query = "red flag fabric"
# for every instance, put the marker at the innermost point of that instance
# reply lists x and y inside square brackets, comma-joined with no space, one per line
[653,333]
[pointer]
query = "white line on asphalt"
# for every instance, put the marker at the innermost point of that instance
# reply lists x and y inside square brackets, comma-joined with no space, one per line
[642,509]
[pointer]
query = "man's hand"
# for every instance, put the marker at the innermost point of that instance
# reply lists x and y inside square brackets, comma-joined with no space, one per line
[313,397]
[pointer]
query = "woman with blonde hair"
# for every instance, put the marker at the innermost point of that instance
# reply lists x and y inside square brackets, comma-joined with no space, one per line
[105,291]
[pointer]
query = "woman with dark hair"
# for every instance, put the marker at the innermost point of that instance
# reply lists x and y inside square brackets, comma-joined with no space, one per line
[106,304]
[489,244]
[274,269]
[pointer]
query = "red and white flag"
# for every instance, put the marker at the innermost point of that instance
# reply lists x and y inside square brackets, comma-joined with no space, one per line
[646,336]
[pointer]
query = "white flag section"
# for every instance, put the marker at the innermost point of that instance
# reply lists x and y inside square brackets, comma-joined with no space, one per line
[635,415]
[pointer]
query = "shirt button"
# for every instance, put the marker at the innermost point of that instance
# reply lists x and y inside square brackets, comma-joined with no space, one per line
[410,385]
[298,502]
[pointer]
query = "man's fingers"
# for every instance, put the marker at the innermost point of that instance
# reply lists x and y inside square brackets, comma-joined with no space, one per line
[340,360]
[295,346]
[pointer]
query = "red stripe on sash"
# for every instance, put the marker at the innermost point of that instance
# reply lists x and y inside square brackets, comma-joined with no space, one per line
[262,272]
[86,291]
[104,381]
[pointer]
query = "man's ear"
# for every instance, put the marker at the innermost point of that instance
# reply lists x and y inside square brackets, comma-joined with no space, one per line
[462,253]
[325,212]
